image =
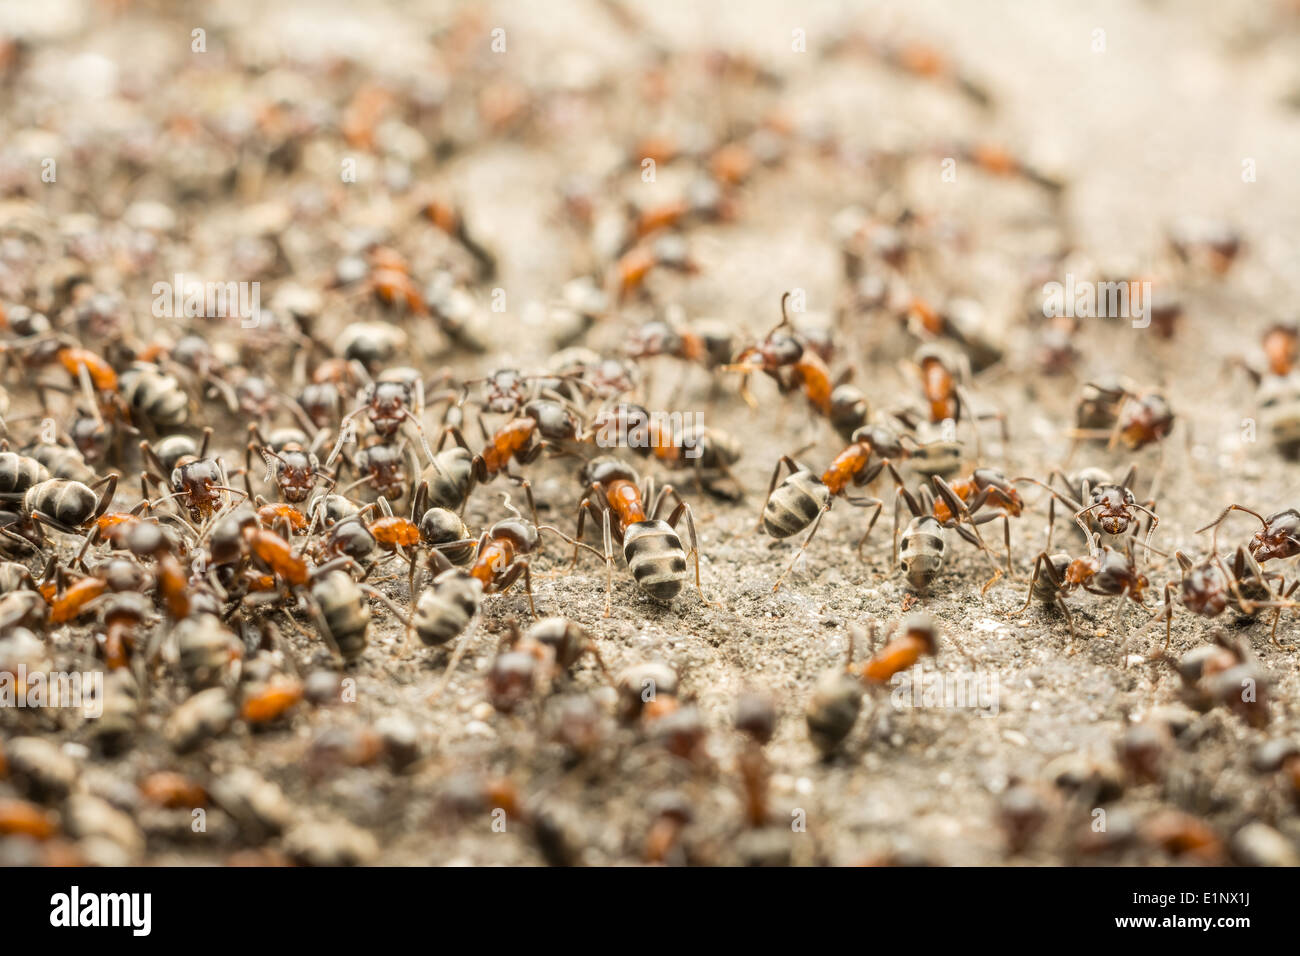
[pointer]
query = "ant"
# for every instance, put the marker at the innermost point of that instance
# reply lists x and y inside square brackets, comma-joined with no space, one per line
[1109,573]
[1279,536]
[784,352]
[837,698]
[503,553]
[1115,413]
[1209,587]
[803,497]
[516,440]
[651,546]
[633,267]
[946,400]
[198,480]
[293,466]
[1111,506]
[925,539]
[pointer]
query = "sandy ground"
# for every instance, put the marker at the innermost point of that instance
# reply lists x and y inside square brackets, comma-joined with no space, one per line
[1154,127]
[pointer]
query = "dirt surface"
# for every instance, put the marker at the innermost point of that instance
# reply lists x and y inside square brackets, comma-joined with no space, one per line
[178,150]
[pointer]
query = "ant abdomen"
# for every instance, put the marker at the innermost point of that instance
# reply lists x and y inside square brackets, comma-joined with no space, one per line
[656,558]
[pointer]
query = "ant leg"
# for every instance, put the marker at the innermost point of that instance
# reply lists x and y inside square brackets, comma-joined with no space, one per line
[1041,562]
[385,600]
[420,501]
[248,464]
[105,496]
[959,511]
[462,646]
[816,524]
[683,508]
[1169,621]
[901,495]
[875,515]
[419,430]
[1069,619]
[1277,613]
[1088,536]
[526,485]
[504,583]
[583,506]
[1151,528]
[609,561]
[558,533]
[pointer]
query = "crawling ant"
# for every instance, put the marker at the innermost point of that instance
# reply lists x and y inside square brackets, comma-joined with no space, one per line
[503,553]
[837,697]
[651,545]
[925,539]
[1112,412]
[1048,584]
[523,439]
[531,660]
[292,464]
[1209,587]
[782,356]
[1110,508]
[387,405]
[452,222]
[946,401]
[198,481]
[704,342]
[803,497]
[62,505]
[630,272]
[1278,538]
[984,487]
[1278,388]
[1108,573]
[1214,675]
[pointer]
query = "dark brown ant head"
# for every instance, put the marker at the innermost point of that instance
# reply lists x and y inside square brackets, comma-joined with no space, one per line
[780,349]
[1112,504]
[322,402]
[1279,538]
[1145,419]
[1205,591]
[256,397]
[386,404]
[504,391]
[197,476]
[91,438]
[295,474]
